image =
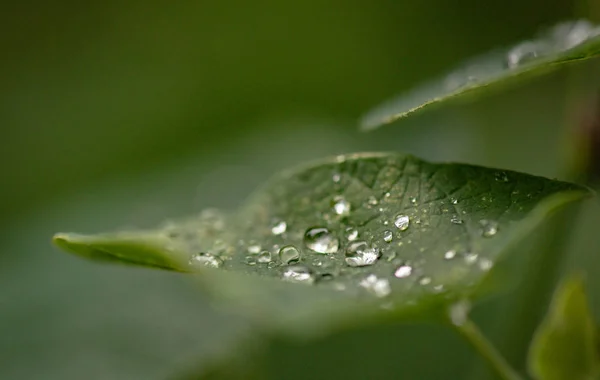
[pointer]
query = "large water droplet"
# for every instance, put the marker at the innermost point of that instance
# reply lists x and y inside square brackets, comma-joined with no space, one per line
[388,236]
[289,254]
[351,233]
[403,271]
[380,287]
[279,227]
[206,260]
[489,228]
[341,206]
[321,240]
[298,274]
[264,257]
[364,257]
[402,222]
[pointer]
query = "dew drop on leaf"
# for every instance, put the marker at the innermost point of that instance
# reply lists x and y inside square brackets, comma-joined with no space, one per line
[380,287]
[355,247]
[364,257]
[471,258]
[321,240]
[388,236]
[341,206]
[351,233]
[523,53]
[489,228]
[454,201]
[402,222]
[372,201]
[459,312]
[485,264]
[337,177]
[298,274]
[250,260]
[289,254]
[425,280]
[264,257]
[254,249]
[206,259]
[403,271]
[279,227]
[449,255]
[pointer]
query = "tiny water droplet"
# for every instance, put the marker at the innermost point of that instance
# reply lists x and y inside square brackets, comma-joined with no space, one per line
[402,222]
[489,228]
[254,249]
[413,200]
[522,53]
[380,287]
[271,265]
[485,264]
[403,271]
[337,177]
[425,280]
[471,258]
[449,255]
[388,236]
[351,233]
[289,254]
[205,259]
[459,312]
[321,240]
[355,247]
[454,201]
[341,206]
[455,219]
[362,258]
[372,201]
[298,274]
[264,257]
[501,177]
[279,227]
[250,260]
[387,195]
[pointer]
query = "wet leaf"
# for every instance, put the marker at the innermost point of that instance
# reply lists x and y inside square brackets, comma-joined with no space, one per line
[566,343]
[359,233]
[565,43]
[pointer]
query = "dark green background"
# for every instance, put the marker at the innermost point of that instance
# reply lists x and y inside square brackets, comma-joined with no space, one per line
[125,113]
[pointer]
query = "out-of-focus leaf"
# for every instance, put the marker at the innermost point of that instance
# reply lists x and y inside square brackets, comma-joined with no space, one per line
[566,43]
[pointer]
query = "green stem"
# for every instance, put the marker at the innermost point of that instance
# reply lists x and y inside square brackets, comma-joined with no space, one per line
[486,349]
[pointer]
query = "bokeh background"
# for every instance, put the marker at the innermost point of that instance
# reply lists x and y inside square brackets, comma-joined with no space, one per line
[125,113]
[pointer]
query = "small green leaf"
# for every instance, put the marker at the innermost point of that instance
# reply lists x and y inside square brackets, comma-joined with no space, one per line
[565,43]
[566,344]
[351,234]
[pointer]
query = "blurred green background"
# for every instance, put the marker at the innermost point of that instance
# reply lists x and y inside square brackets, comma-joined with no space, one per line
[125,113]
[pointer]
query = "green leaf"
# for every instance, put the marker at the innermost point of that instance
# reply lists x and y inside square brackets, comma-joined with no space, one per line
[566,344]
[565,43]
[360,233]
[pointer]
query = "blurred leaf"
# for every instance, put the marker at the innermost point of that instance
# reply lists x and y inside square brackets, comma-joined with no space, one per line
[566,343]
[366,231]
[565,43]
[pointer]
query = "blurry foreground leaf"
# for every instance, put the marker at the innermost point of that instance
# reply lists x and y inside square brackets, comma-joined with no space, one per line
[566,343]
[355,234]
[565,43]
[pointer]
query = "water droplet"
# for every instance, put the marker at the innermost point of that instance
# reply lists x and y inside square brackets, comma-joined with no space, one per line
[501,177]
[425,280]
[271,265]
[320,240]
[402,222]
[362,258]
[264,257]
[380,287]
[205,259]
[355,247]
[337,177]
[413,200]
[449,255]
[279,227]
[459,312]
[403,271]
[351,234]
[254,249]
[250,260]
[471,258]
[387,195]
[489,228]
[485,264]
[372,201]
[289,254]
[522,53]
[455,219]
[298,274]
[388,236]
[341,206]
[454,201]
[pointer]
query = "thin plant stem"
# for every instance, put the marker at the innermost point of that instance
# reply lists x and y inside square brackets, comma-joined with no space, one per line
[471,333]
